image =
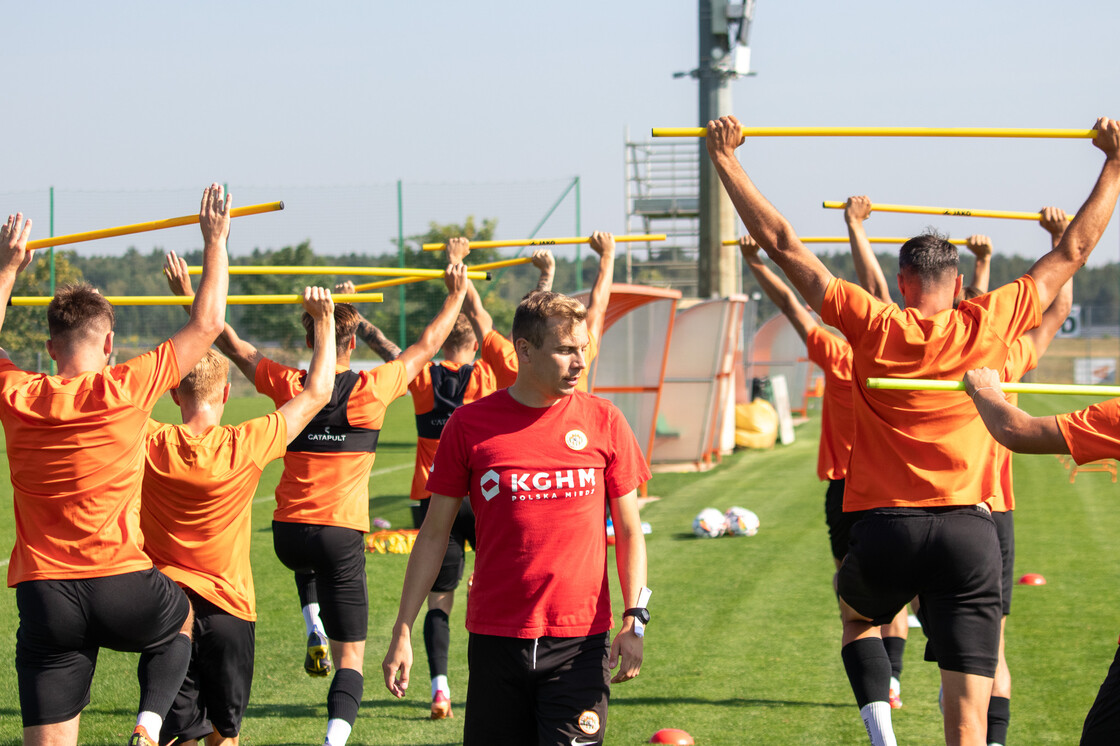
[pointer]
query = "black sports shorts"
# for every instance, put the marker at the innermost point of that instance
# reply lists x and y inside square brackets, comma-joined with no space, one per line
[454,559]
[550,691]
[949,558]
[215,692]
[63,623]
[1005,530]
[1102,724]
[335,557]
[839,523]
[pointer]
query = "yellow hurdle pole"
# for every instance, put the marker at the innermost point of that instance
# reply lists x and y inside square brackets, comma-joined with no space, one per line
[927,384]
[409,280]
[844,239]
[955,211]
[881,132]
[155,225]
[546,241]
[180,300]
[424,274]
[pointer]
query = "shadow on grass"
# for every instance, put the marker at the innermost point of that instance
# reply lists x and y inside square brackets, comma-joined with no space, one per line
[736,702]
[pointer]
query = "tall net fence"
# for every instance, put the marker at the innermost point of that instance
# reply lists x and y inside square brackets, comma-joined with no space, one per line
[347,225]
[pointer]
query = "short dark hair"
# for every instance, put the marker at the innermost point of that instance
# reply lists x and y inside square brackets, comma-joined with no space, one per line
[76,310]
[346,320]
[462,334]
[928,256]
[530,320]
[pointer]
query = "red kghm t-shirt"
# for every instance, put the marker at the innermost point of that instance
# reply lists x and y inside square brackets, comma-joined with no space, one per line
[538,481]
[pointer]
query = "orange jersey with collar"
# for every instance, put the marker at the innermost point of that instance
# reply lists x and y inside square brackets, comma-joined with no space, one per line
[1092,433]
[331,489]
[196,505]
[499,354]
[834,356]
[1022,358]
[923,448]
[76,454]
[482,382]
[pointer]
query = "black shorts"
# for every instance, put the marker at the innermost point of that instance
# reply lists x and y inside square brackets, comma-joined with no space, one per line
[1102,724]
[949,558]
[63,623]
[839,523]
[454,559]
[336,558]
[215,692]
[1005,530]
[550,691]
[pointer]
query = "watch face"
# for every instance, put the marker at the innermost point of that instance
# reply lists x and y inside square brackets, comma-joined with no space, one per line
[642,615]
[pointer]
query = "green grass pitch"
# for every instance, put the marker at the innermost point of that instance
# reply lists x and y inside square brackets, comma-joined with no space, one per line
[743,647]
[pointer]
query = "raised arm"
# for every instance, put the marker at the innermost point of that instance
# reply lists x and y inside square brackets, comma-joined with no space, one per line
[368,333]
[763,221]
[1073,250]
[417,355]
[14,258]
[603,245]
[244,355]
[1012,428]
[317,389]
[981,247]
[776,290]
[870,274]
[1055,222]
[481,320]
[544,261]
[208,311]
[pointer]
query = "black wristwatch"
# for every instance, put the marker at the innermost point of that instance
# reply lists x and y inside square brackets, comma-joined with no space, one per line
[640,613]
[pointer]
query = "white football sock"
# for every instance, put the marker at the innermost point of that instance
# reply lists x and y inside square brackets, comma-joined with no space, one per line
[338,730]
[311,619]
[151,722]
[877,719]
[896,686]
[439,684]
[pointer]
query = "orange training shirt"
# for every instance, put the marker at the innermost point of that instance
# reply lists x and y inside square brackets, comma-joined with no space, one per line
[76,455]
[331,489]
[196,505]
[1092,433]
[1023,357]
[923,448]
[834,356]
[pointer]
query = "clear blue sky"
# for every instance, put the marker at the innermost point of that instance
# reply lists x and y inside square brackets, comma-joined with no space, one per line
[140,95]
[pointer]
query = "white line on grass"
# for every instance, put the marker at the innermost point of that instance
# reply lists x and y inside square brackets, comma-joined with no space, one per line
[374,473]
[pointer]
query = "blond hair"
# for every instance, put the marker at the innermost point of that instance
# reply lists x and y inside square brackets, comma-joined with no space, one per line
[207,379]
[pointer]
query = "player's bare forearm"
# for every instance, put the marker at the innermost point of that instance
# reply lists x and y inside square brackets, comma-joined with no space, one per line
[481,321]
[209,306]
[630,545]
[244,355]
[317,389]
[377,341]
[14,258]
[782,297]
[867,267]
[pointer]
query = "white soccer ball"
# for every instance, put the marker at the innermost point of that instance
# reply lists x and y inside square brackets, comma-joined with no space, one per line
[741,522]
[709,524]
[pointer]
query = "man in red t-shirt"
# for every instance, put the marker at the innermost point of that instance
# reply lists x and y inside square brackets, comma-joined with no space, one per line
[196,509]
[76,453]
[322,500]
[1088,435]
[919,462]
[540,462]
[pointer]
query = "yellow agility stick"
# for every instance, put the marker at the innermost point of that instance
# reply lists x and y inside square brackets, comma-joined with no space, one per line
[182,300]
[546,241]
[409,280]
[927,384]
[880,132]
[844,239]
[155,225]
[423,274]
[956,211]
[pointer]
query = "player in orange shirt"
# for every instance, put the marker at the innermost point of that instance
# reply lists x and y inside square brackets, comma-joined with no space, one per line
[498,352]
[919,464]
[196,511]
[75,449]
[322,500]
[1088,435]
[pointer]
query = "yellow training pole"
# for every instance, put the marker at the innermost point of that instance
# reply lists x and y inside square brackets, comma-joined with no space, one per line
[880,132]
[409,280]
[956,211]
[546,241]
[844,239]
[155,225]
[423,274]
[926,384]
[233,300]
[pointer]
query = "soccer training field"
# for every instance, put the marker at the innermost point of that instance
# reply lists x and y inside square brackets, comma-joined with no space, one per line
[743,646]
